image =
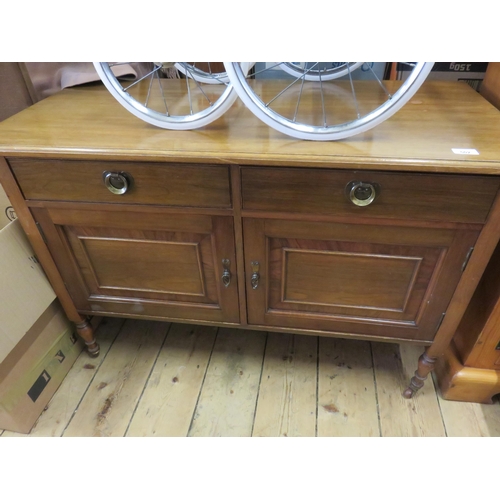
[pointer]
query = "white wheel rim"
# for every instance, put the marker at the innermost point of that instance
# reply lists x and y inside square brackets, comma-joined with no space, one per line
[183,122]
[321,133]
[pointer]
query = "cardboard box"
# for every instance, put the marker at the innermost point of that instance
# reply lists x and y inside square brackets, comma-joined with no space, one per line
[470,72]
[33,370]
[25,292]
[37,342]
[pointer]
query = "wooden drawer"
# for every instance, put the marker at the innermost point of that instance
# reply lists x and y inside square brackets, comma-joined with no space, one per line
[152,183]
[452,198]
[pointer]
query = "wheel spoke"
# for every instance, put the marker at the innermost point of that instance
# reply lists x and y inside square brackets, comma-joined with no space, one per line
[389,95]
[149,89]
[198,85]
[189,95]
[322,98]
[142,78]
[298,100]
[353,91]
[288,86]
[162,94]
[266,69]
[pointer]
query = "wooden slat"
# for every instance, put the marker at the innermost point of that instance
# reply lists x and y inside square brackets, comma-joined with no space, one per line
[166,408]
[346,391]
[61,407]
[109,403]
[420,416]
[287,395]
[227,401]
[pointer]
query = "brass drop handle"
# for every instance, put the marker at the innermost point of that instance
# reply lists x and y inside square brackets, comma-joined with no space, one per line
[226,274]
[117,182]
[361,193]
[255,274]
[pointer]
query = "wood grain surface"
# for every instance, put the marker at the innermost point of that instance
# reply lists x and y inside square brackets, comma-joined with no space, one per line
[420,137]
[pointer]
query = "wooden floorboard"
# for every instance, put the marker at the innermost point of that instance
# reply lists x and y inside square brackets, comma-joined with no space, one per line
[470,419]
[109,403]
[226,406]
[157,379]
[288,389]
[167,406]
[399,417]
[490,415]
[347,404]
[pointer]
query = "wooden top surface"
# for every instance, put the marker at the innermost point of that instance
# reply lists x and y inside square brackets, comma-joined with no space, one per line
[87,123]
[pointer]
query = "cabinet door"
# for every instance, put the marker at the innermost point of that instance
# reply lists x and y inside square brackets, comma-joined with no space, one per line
[387,281]
[147,263]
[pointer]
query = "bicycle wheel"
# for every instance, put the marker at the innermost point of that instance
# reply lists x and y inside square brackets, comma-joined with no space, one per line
[325,110]
[326,72]
[177,104]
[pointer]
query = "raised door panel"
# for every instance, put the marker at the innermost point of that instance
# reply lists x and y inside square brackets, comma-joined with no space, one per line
[168,266]
[149,266]
[392,282]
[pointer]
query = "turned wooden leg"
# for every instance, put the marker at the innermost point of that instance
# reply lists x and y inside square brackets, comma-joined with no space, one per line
[86,331]
[425,366]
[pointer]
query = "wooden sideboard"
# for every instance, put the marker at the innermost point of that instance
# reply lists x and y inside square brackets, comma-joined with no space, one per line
[237,225]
